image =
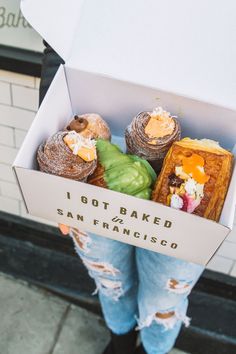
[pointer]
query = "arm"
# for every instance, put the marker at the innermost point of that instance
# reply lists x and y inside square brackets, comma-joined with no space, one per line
[50,63]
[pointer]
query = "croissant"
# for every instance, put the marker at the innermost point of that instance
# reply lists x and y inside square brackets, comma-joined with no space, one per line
[97,178]
[55,157]
[90,125]
[121,172]
[195,177]
[151,134]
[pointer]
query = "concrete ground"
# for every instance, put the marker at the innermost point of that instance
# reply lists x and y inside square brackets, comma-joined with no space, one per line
[36,322]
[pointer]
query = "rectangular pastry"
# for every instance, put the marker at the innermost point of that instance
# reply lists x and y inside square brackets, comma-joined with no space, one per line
[195,177]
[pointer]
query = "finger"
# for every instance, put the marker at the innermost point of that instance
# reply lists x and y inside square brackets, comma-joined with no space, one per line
[64,229]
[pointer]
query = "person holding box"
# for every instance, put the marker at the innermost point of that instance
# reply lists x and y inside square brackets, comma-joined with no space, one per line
[139,290]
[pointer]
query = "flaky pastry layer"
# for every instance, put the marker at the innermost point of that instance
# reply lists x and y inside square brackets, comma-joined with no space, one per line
[218,165]
[97,178]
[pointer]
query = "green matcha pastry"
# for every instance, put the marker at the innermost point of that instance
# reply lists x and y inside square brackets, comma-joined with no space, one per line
[121,172]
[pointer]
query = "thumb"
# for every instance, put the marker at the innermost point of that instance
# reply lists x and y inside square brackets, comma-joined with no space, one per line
[64,229]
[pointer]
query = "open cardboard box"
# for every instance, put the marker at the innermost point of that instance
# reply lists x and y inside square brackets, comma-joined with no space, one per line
[114,215]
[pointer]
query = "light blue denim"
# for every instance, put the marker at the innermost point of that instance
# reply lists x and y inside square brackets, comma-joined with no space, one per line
[139,288]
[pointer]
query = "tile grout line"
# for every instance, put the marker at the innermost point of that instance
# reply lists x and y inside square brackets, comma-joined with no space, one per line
[229,240]
[59,329]
[225,257]
[17,84]
[25,85]
[10,146]
[14,127]
[11,95]
[18,107]
[14,137]
[11,198]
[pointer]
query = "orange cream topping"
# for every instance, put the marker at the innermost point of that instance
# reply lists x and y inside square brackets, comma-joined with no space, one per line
[84,148]
[87,154]
[194,165]
[160,124]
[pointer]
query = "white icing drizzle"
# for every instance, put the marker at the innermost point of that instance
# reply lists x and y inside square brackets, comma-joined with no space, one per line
[190,186]
[159,111]
[176,202]
[194,190]
[78,141]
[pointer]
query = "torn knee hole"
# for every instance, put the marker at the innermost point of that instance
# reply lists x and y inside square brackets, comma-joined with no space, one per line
[110,284]
[81,239]
[110,288]
[102,267]
[178,286]
[165,315]
[168,319]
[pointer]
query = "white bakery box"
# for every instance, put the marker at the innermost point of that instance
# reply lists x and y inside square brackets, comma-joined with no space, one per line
[121,58]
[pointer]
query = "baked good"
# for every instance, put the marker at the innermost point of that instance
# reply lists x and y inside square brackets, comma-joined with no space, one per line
[195,177]
[121,172]
[69,155]
[151,134]
[90,125]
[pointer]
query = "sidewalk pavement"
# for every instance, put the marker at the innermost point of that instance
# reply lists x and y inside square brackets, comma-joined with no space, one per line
[34,321]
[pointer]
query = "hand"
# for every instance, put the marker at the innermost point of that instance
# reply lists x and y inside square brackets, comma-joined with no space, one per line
[64,229]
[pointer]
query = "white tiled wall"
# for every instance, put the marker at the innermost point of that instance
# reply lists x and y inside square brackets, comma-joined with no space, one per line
[18,104]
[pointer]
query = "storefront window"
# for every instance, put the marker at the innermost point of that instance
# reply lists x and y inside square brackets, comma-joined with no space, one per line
[15,31]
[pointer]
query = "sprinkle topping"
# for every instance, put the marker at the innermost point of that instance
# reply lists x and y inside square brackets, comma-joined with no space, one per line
[186,184]
[160,124]
[176,201]
[83,147]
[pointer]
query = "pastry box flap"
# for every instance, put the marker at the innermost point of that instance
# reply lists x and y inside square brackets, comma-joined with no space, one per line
[55,21]
[178,46]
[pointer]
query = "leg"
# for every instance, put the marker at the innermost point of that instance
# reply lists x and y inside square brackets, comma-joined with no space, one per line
[112,265]
[164,286]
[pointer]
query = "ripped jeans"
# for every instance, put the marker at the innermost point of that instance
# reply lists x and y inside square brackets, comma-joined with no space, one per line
[137,287]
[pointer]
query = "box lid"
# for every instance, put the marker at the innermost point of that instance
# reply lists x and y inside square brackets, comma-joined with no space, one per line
[182,46]
[56,21]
